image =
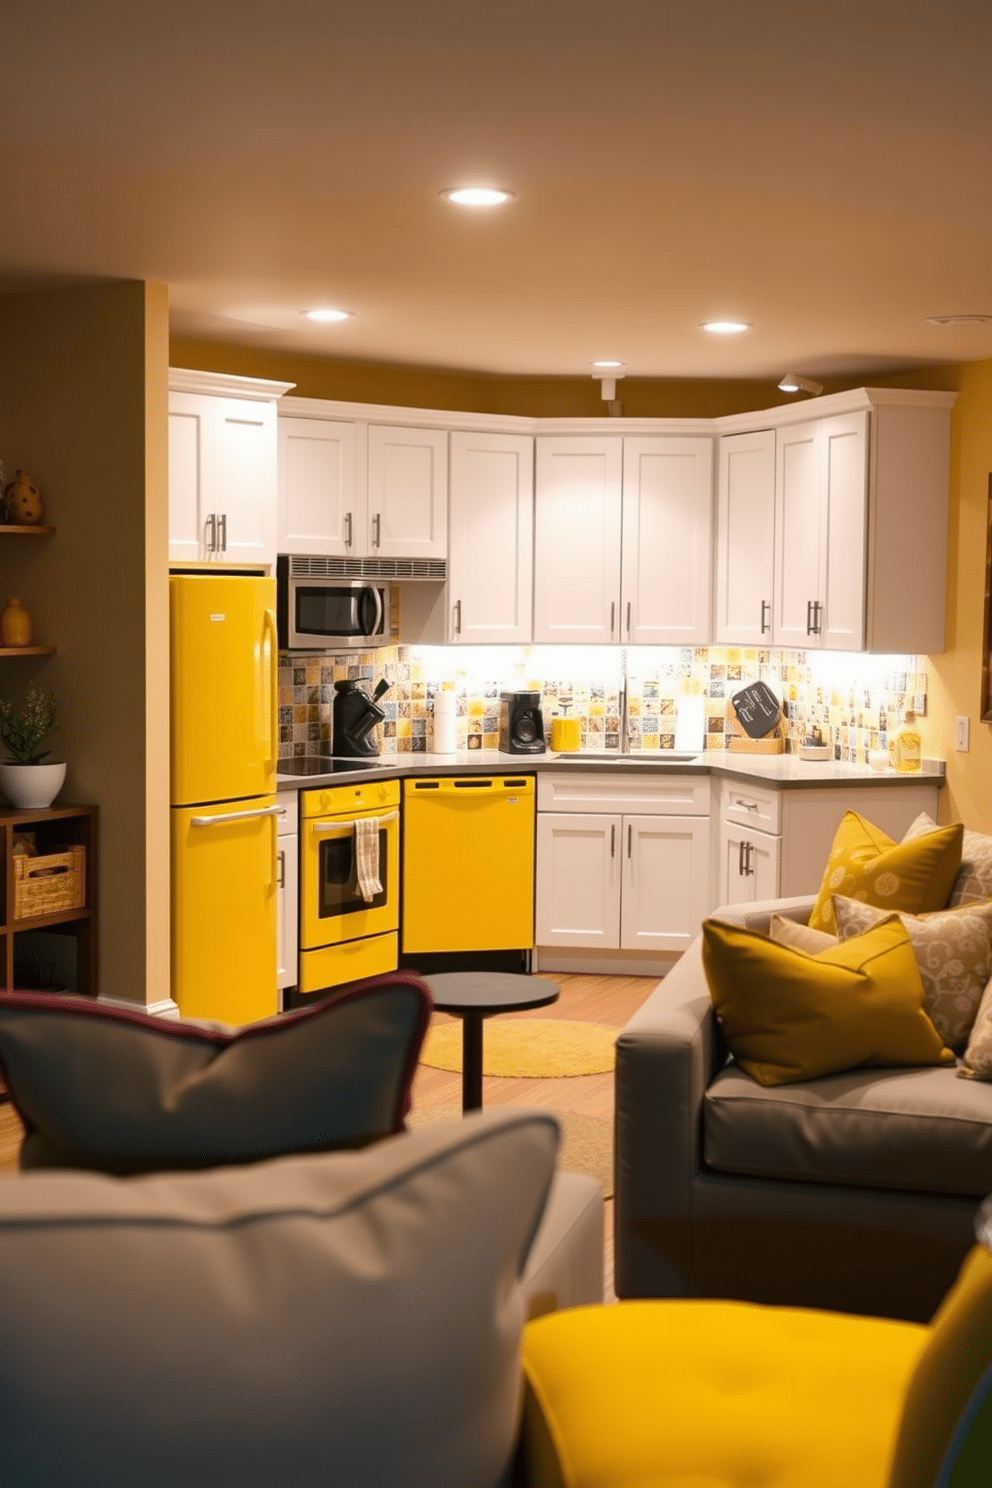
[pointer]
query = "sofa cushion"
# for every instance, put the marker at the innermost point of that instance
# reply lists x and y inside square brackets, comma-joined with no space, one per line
[914,1129]
[349,1318]
[973,881]
[790,1016]
[977,1061]
[865,863]
[123,1092]
[953,949]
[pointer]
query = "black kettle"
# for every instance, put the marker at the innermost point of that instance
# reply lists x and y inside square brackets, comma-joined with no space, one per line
[355,716]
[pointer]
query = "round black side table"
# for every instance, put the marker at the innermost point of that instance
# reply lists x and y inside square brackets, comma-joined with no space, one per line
[476,995]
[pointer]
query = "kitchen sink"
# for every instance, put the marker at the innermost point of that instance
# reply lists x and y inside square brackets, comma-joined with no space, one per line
[590,756]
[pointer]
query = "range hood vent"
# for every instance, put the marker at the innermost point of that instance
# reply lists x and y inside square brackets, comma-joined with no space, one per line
[368,568]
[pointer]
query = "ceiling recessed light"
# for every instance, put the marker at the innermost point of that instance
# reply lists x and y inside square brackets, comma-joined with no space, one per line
[725,327]
[943,320]
[606,362]
[477,196]
[327,314]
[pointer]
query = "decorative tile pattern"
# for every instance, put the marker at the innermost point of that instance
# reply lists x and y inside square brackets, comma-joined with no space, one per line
[855,701]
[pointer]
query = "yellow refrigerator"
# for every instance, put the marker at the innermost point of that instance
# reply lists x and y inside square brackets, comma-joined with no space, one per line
[224,749]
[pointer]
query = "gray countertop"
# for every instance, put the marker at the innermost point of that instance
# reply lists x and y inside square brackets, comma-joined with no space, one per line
[784,771]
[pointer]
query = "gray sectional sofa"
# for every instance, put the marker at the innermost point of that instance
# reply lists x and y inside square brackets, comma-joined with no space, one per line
[855,1192]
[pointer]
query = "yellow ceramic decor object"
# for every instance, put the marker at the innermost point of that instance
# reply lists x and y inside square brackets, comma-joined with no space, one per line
[22,501]
[866,864]
[714,1393]
[789,1016]
[15,624]
[566,734]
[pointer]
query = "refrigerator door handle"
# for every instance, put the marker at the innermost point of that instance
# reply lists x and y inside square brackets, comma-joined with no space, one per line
[218,821]
[269,626]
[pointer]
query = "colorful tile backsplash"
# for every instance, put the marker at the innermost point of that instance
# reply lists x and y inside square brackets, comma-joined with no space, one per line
[853,700]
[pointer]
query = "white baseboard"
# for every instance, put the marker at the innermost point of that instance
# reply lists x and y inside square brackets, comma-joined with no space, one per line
[165,1008]
[601,963]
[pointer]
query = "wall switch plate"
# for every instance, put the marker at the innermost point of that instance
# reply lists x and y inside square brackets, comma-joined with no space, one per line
[961,740]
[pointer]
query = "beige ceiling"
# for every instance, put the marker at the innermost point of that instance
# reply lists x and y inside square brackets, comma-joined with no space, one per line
[820,170]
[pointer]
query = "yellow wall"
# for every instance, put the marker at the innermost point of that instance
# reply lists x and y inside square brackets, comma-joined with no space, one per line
[83,408]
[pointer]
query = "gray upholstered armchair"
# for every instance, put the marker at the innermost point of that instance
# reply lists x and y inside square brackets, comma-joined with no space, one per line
[855,1192]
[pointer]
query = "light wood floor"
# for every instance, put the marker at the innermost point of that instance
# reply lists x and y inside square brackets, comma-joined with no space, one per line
[590,999]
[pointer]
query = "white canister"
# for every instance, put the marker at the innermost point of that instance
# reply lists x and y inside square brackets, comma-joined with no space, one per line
[445,738]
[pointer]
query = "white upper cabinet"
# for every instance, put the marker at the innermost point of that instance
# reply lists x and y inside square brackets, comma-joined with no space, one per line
[666,560]
[623,540]
[745,538]
[319,510]
[577,539]
[408,492]
[491,539]
[222,469]
[821,504]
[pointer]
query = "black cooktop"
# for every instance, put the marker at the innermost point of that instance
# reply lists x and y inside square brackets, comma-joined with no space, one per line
[323,764]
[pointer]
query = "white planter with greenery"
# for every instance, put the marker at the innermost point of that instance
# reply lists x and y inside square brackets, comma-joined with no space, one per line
[29,779]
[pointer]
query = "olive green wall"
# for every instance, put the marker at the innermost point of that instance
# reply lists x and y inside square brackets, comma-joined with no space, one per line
[83,408]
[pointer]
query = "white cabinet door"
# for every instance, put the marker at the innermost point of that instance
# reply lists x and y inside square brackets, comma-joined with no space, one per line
[749,865]
[745,538]
[666,873]
[245,480]
[491,539]
[319,509]
[666,559]
[407,492]
[844,457]
[191,474]
[578,880]
[799,524]
[577,539]
[287,910]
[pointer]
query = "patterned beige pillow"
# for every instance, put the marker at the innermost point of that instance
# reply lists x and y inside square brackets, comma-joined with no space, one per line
[974,880]
[953,950]
[977,1064]
[800,937]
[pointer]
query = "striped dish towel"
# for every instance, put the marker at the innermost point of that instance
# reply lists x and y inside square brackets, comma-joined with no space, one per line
[367,857]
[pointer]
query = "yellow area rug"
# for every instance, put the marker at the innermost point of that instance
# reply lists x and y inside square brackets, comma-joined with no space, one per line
[527,1048]
[586,1142]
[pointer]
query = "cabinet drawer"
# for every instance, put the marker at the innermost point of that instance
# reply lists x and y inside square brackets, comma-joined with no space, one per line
[629,791]
[751,806]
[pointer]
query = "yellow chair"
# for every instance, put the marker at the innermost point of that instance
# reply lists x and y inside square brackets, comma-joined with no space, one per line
[693,1394]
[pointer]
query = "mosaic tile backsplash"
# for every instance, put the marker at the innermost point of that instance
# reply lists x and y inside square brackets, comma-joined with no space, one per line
[851,702]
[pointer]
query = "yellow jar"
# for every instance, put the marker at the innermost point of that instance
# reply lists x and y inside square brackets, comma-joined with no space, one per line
[15,625]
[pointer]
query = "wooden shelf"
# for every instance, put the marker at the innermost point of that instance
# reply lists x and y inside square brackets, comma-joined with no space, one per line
[27,650]
[12,530]
[55,828]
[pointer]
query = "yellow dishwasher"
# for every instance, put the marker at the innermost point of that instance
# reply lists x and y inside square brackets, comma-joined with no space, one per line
[468,863]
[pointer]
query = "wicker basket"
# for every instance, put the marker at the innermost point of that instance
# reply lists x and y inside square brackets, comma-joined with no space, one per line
[47,885]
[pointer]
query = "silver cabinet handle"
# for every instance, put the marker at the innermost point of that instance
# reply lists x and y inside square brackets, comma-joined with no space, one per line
[337,826]
[628,619]
[281,855]
[765,624]
[809,617]
[630,839]
[458,617]
[218,821]
[222,526]
[613,840]
[376,530]
[740,859]
[347,529]
[747,805]
[210,526]
[817,607]
[613,615]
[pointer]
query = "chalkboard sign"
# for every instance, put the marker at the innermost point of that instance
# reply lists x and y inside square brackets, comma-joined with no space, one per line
[757,709]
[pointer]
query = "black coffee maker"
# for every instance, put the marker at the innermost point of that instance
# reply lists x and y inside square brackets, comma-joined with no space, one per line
[355,716]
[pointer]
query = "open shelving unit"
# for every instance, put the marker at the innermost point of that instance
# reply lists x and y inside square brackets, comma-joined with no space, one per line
[11,531]
[55,829]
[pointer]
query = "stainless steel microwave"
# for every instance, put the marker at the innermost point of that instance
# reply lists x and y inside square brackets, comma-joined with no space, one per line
[319,612]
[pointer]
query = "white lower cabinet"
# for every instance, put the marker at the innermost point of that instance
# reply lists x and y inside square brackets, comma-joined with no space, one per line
[620,881]
[749,862]
[287,897]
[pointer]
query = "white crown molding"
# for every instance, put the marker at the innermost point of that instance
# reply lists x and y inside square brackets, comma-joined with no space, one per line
[387,413]
[856,400]
[226,384]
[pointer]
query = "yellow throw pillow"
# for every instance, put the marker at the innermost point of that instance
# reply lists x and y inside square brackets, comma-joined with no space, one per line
[789,1016]
[866,864]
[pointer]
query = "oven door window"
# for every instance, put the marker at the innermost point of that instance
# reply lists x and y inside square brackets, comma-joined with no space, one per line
[338,886]
[323,610]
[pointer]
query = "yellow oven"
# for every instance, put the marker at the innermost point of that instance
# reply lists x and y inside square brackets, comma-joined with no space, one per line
[342,936]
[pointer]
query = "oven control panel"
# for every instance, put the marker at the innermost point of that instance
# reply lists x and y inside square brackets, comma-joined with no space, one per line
[338,800]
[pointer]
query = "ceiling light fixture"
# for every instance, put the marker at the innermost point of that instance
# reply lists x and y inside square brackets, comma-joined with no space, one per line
[477,196]
[607,363]
[725,327]
[327,315]
[793,383]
